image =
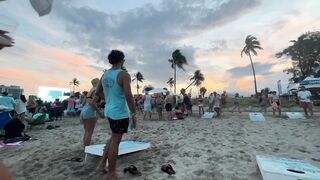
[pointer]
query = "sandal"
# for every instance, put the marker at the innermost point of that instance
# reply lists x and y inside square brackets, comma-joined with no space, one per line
[132,170]
[75,159]
[168,169]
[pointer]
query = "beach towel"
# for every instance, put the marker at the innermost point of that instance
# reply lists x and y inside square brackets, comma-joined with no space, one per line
[256,116]
[125,147]
[208,115]
[295,115]
[278,168]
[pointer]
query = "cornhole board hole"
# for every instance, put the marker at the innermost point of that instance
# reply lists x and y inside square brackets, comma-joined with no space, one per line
[124,148]
[275,168]
[295,115]
[208,115]
[256,116]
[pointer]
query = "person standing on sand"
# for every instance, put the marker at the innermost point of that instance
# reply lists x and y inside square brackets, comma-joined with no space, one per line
[88,116]
[236,103]
[159,104]
[305,102]
[275,103]
[168,105]
[147,107]
[216,103]
[264,102]
[115,86]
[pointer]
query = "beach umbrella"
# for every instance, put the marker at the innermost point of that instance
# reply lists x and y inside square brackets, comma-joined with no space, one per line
[157,90]
[43,7]
[310,82]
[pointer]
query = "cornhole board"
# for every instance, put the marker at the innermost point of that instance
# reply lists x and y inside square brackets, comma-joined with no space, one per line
[295,115]
[275,168]
[255,116]
[208,115]
[125,147]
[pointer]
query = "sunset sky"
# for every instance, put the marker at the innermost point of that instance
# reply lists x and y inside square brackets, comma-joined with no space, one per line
[76,37]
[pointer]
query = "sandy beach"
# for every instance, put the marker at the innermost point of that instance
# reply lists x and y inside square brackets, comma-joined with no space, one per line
[223,148]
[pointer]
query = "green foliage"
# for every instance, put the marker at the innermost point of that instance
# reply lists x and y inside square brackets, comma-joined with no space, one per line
[305,56]
[196,79]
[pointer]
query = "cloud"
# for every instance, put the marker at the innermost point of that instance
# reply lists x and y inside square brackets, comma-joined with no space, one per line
[148,34]
[260,69]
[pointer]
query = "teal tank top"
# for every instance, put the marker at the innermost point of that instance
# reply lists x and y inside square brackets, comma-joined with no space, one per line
[116,105]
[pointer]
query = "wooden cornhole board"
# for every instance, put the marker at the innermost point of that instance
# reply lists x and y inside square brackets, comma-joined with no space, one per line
[208,115]
[255,116]
[295,115]
[275,168]
[125,147]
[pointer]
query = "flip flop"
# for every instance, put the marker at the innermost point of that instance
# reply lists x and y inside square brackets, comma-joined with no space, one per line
[75,159]
[168,169]
[132,170]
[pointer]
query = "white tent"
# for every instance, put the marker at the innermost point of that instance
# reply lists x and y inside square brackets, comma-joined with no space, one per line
[310,82]
[157,90]
[293,87]
[43,7]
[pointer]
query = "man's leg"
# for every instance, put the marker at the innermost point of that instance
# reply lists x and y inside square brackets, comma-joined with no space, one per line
[113,155]
[310,105]
[103,161]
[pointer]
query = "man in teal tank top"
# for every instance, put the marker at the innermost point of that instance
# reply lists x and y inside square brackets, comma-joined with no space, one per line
[115,87]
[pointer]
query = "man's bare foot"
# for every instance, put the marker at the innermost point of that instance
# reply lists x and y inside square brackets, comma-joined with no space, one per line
[112,176]
[102,168]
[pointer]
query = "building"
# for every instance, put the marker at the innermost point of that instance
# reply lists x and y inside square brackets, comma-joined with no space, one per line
[13,91]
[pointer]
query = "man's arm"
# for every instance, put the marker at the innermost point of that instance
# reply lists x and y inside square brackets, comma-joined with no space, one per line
[125,81]
[99,91]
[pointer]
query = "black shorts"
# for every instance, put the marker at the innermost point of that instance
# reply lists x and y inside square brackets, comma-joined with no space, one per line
[119,126]
[168,107]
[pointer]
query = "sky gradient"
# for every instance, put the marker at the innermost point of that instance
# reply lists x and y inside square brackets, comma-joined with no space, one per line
[76,37]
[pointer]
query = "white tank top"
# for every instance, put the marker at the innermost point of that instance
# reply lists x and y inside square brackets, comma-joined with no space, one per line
[147,100]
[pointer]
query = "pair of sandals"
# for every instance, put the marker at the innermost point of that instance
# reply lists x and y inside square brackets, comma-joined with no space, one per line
[167,168]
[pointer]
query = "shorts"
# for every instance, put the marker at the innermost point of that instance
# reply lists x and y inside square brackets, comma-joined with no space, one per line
[306,105]
[119,126]
[168,107]
[189,107]
[147,108]
[88,112]
[159,107]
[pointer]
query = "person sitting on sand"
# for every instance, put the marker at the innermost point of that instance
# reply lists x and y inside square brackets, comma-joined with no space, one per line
[304,100]
[88,116]
[42,112]
[275,103]
[147,107]
[14,131]
[236,103]
[177,113]
[168,105]
[115,86]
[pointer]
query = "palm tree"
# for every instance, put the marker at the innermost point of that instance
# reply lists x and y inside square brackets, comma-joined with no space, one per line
[170,82]
[252,44]
[196,79]
[74,82]
[139,78]
[178,60]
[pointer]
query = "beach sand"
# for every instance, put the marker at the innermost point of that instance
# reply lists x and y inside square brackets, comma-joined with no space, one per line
[221,148]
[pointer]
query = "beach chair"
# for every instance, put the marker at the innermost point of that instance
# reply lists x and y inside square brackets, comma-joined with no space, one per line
[272,168]
[38,121]
[125,147]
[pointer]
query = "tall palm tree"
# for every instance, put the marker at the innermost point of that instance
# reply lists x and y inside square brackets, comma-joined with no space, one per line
[252,44]
[178,60]
[139,78]
[170,82]
[196,79]
[74,82]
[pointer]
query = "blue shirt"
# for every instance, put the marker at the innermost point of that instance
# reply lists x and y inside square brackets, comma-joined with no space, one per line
[7,101]
[116,104]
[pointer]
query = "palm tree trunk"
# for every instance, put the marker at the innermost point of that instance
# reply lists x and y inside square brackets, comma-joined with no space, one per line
[175,78]
[137,87]
[254,75]
[73,90]
[190,84]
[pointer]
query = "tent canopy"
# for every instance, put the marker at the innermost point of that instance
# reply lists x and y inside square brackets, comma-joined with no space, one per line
[310,82]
